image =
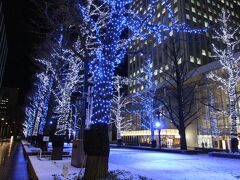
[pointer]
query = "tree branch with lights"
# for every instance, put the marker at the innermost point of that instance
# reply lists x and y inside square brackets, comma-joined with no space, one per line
[230,64]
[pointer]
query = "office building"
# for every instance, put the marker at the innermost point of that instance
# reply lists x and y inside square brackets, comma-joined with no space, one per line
[197,51]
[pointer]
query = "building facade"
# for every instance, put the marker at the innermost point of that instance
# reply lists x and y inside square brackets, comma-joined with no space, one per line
[8,111]
[3,44]
[197,51]
[195,48]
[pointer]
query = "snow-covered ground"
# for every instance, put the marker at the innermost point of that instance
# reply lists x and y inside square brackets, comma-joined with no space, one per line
[154,165]
[45,169]
[167,166]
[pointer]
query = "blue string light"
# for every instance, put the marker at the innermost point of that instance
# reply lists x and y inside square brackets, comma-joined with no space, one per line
[107,22]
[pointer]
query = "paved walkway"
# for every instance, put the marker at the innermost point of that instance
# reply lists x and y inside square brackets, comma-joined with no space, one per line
[168,166]
[13,165]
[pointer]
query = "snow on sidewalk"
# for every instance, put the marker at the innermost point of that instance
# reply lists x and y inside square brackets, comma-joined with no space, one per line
[155,165]
[45,168]
[167,166]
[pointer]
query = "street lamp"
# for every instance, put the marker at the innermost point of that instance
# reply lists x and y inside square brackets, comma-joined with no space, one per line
[158,127]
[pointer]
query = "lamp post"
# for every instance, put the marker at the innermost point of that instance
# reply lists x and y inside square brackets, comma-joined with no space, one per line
[158,127]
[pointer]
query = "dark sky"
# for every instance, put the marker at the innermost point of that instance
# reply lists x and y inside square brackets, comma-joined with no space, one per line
[18,68]
[21,42]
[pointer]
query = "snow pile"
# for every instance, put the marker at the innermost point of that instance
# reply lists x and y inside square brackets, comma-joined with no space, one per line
[124,175]
[113,175]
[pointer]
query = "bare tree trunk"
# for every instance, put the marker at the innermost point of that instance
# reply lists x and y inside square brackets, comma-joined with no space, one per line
[96,146]
[182,129]
[96,167]
[234,132]
[57,143]
[119,137]
[183,141]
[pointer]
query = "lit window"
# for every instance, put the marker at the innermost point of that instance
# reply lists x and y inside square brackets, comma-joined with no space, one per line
[192,59]
[163,11]
[180,61]
[166,67]
[175,9]
[204,52]
[206,24]
[193,9]
[194,19]
[199,61]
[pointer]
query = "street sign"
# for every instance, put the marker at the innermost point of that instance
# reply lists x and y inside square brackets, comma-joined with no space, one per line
[45,138]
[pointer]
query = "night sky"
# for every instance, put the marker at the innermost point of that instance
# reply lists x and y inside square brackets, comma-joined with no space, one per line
[21,42]
[19,69]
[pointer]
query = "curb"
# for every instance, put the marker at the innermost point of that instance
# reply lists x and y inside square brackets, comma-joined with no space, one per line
[174,151]
[224,155]
[32,173]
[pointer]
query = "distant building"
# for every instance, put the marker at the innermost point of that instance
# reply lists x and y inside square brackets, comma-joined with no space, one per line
[8,111]
[3,44]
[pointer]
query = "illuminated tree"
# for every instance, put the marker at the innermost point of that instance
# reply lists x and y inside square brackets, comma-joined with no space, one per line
[29,121]
[213,115]
[146,98]
[46,90]
[107,22]
[76,121]
[118,107]
[35,111]
[230,64]
[66,68]
[109,28]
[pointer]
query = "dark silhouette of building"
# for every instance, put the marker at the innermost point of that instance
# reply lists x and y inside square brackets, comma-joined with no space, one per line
[8,111]
[3,44]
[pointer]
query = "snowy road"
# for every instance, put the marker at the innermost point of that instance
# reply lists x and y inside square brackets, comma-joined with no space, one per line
[167,166]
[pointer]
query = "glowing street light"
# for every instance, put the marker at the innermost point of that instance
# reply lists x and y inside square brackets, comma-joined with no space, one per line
[158,125]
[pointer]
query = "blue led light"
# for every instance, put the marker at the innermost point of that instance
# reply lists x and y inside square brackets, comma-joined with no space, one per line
[106,29]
